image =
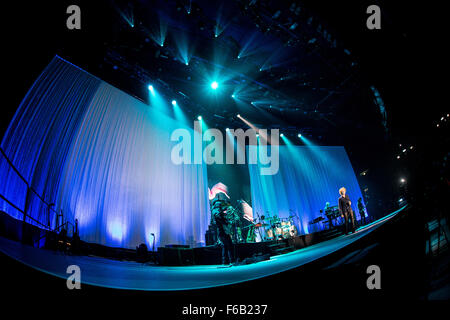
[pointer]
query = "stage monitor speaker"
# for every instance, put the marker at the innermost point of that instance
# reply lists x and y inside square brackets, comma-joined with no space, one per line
[175,256]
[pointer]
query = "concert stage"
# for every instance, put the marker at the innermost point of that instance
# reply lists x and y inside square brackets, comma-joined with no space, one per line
[137,276]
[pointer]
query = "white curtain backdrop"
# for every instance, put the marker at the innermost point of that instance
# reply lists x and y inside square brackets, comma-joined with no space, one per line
[114,174]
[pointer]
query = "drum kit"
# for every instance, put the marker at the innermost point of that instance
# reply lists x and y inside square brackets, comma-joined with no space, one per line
[270,227]
[276,228]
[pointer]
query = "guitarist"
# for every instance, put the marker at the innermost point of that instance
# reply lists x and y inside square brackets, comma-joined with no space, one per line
[219,207]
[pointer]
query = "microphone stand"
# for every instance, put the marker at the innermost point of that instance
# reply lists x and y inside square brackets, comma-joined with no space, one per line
[153,248]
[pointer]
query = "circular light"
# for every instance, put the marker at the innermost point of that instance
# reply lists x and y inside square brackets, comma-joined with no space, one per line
[238,115]
[233,96]
[199,118]
[281,135]
[398,157]
[227,129]
[299,135]
[150,87]
[402,180]
[174,103]
[214,85]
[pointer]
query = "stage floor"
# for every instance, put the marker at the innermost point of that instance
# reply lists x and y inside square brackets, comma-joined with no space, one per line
[136,276]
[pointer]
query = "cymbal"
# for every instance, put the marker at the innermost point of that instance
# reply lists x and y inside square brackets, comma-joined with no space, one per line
[261,225]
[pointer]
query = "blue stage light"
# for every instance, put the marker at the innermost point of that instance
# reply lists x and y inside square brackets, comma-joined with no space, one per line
[214,85]
[174,103]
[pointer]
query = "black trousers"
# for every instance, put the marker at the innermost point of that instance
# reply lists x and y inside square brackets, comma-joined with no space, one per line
[227,246]
[349,215]
[362,214]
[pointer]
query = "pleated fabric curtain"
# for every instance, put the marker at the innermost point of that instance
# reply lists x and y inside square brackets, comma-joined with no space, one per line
[308,177]
[107,164]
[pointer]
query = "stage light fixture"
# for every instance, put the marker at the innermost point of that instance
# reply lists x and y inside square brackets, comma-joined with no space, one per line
[238,115]
[398,157]
[151,89]
[299,135]
[233,96]
[281,135]
[174,103]
[214,85]
[227,129]
[402,180]
[199,118]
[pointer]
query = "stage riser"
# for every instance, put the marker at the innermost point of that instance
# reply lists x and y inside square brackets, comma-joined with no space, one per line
[17,230]
[175,256]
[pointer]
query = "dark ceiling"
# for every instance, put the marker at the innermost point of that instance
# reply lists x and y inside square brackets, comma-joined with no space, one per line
[308,66]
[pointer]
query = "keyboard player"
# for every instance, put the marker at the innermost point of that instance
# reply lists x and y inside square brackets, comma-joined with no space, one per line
[329,213]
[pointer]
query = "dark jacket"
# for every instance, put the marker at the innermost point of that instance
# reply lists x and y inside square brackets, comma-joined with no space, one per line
[344,205]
